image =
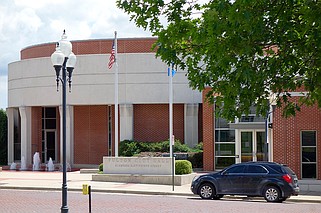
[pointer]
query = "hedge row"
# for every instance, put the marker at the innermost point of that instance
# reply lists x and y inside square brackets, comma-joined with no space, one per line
[132,148]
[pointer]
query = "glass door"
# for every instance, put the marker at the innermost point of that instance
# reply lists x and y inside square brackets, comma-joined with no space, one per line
[252,145]
[260,140]
[247,146]
[50,145]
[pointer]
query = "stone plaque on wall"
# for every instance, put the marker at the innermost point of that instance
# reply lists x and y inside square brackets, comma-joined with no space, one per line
[138,165]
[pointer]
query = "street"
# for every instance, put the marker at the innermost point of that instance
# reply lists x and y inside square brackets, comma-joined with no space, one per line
[28,201]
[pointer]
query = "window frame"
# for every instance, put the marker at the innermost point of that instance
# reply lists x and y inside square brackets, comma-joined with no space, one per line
[302,163]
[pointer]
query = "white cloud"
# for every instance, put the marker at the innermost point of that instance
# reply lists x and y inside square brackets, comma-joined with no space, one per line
[36,4]
[29,22]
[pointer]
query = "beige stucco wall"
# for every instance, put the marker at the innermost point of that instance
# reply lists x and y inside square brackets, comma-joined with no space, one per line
[142,79]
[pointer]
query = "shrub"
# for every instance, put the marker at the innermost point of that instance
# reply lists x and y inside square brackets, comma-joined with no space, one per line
[196,158]
[131,148]
[183,167]
[128,148]
[101,167]
[199,146]
[179,147]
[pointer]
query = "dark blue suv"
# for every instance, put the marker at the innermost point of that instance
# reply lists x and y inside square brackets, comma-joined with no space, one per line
[275,182]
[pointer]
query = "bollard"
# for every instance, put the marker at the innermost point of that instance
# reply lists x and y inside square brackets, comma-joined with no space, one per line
[86,190]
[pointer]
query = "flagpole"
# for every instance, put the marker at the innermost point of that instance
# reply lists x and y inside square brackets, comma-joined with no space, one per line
[171,111]
[171,136]
[116,98]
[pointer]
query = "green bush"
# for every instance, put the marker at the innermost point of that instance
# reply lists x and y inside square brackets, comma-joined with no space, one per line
[131,148]
[128,148]
[183,167]
[196,158]
[101,167]
[199,147]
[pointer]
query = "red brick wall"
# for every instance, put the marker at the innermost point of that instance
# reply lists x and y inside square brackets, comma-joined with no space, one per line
[200,123]
[90,134]
[36,127]
[208,134]
[85,47]
[151,122]
[286,136]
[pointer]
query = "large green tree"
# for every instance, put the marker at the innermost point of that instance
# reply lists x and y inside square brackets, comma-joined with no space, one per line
[244,50]
[3,137]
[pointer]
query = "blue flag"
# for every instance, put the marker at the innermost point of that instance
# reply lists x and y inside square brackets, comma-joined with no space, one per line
[168,71]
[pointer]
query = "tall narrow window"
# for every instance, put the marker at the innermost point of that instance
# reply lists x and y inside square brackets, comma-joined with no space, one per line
[308,154]
[224,144]
[49,134]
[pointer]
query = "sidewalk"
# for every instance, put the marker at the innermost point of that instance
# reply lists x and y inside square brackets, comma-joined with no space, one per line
[39,180]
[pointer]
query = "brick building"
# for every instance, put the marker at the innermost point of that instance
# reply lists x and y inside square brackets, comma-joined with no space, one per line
[34,112]
[34,105]
[294,141]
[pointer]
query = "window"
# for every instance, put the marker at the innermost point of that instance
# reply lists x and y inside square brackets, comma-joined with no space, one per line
[235,170]
[225,149]
[222,135]
[49,126]
[308,154]
[224,144]
[251,117]
[256,169]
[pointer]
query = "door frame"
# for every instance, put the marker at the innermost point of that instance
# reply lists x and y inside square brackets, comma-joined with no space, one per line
[45,144]
[254,143]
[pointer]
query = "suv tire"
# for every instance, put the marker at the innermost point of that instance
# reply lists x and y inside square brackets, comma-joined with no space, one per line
[272,194]
[206,191]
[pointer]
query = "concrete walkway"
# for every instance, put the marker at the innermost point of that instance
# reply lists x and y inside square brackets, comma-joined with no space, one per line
[39,180]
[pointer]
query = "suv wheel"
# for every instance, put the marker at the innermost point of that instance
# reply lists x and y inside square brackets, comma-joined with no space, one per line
[272,194]
[206,191]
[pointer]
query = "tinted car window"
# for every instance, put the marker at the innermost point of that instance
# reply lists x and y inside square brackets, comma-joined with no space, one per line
[235,170]
[276,168]
[288,170]
[256,169]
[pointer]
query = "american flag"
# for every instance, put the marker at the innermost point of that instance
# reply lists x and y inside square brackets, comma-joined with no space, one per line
[112,57]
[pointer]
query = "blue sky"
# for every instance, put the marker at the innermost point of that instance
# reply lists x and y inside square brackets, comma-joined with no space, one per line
[28,22]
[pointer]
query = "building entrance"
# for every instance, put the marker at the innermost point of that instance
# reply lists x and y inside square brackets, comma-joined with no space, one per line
[50,145]
[252,145]
[49,134]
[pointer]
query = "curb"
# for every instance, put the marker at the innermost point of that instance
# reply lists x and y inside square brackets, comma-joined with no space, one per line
[99,190]
[292,199]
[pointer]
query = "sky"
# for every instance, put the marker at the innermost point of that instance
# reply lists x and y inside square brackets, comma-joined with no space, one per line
[29,22]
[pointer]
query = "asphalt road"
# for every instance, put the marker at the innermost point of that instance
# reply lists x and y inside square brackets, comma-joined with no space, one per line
[16,201]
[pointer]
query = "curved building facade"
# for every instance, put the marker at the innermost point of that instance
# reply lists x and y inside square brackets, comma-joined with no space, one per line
[34,105]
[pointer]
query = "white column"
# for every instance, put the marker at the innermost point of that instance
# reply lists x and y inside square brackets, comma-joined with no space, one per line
[25,115]
[126,121]
[238,146]
[69,134]
[191,124]
[10,117]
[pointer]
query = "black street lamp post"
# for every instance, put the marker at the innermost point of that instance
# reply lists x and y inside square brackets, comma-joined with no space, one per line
[63,59]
